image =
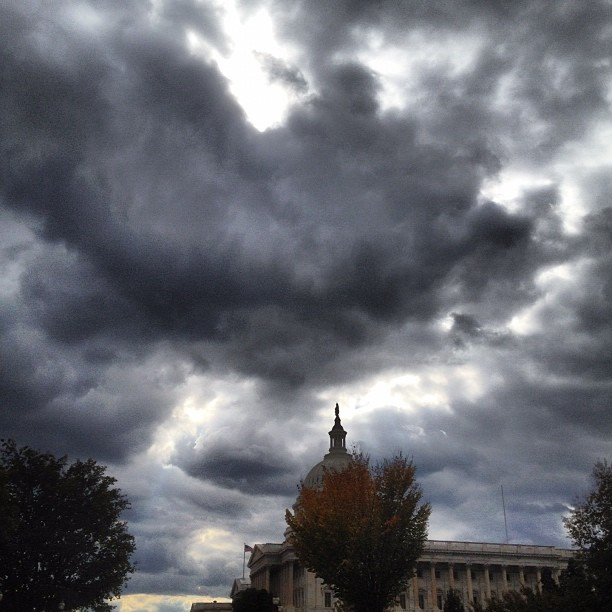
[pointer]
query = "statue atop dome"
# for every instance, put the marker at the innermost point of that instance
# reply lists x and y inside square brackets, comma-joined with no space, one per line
[337,436]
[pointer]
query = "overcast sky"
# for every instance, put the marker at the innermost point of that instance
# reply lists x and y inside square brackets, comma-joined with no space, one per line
[218,219]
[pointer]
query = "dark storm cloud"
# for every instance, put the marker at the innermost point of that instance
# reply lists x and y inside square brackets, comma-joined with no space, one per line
[162,243]
[150,235]
[241,457]
[247,470]
[550,57]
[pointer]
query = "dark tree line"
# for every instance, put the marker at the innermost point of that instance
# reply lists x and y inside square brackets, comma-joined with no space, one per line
[253,600]
[62,540]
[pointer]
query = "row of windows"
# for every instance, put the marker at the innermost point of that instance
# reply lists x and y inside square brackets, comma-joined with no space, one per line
[474,575]
[402,599]
[422,599]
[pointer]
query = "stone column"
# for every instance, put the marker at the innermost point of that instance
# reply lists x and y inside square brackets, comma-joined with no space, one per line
[522,575]
[468,579]
[487,582]
[505,578]
[451,575]
[415,591]
[434,587]
[289,589]
[283,583]
[310,595]
[539,579]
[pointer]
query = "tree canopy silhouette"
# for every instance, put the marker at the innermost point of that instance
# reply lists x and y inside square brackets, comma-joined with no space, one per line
[253,600]
[61,536]
[590,529]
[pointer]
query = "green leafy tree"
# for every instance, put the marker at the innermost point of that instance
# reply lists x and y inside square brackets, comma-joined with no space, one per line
[61,536]
[253,600]
[362,531]
[575,589]
[590,529]
[453,602]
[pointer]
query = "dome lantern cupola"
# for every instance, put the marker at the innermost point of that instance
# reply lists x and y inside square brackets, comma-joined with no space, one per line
[336,459]
[337,435]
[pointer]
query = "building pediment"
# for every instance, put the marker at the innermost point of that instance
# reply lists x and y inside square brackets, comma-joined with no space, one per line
[268,553]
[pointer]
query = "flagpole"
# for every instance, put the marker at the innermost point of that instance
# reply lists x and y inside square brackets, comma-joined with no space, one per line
[504,507]
[245,549]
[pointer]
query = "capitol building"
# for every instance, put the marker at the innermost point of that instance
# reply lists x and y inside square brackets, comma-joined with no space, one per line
[478,571]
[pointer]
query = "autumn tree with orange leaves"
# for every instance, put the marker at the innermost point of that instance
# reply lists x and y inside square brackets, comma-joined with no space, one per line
[362,531]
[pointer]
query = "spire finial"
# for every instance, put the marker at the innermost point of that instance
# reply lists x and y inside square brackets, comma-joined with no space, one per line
[337,436]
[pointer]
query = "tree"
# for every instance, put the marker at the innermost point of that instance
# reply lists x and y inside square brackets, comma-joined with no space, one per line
[512,601]
[576,590]
[590,529]
[525,601]
[586,584]
[61,537]
[362,531]
[453,602]
[253,600]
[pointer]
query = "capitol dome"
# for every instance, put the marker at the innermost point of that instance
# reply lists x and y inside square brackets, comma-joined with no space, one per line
[335,460]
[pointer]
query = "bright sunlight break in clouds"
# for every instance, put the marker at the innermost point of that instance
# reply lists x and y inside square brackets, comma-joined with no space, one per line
[218,219]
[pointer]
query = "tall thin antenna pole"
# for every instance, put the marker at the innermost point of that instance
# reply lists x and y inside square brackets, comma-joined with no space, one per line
[504,507]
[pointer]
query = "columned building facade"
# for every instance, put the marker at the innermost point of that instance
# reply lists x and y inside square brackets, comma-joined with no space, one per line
[478,571]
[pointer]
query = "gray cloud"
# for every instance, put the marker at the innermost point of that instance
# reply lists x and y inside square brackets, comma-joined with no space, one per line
[244,459]
[280,71]
[180,294]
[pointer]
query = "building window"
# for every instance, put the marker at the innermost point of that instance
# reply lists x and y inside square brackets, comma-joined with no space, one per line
[473,575]
[475,597]
[328,599]
[437,573]
[547,576]
[456,574]
[439,599]
[422,600]
[402,601]
[419,572]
